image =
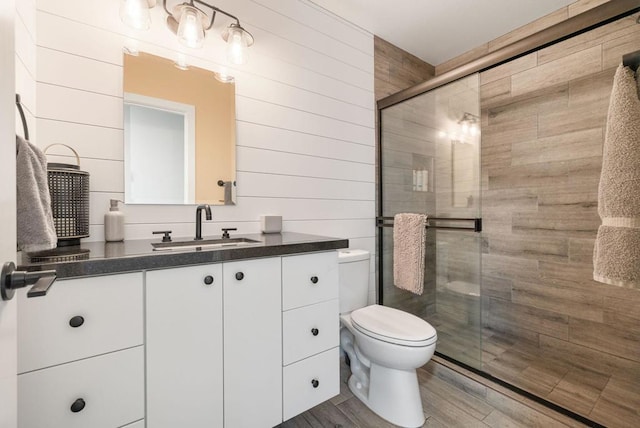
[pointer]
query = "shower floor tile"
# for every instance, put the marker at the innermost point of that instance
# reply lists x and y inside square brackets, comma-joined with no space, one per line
[584,385]
[619,402]
[579,390]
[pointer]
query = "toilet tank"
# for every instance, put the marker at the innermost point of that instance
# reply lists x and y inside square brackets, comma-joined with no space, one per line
[354,279]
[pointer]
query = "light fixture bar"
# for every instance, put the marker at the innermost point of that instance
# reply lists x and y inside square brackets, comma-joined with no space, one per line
[189,22]
[214,9]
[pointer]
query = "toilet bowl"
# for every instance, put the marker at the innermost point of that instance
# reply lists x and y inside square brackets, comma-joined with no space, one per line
[385,346]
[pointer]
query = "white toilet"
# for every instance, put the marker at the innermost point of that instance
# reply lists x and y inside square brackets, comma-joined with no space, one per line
[385,346]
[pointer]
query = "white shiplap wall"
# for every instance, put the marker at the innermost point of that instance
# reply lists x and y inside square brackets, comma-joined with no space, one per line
[25,41]
[304,108]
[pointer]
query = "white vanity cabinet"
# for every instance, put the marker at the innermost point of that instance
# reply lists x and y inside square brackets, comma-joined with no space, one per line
[311,325]
[80,354]
[184,347]
[232,339]
[243,343]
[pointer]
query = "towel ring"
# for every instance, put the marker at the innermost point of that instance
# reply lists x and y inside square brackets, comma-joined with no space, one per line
[22,117]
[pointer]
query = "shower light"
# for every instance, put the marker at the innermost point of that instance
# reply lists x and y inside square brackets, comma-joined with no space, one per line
[190,23]
[469,124]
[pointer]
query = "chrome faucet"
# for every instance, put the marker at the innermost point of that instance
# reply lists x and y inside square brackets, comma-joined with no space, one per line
[207,210]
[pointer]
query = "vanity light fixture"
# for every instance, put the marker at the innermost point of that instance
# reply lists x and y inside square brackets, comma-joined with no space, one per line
[135,13]
[190,21]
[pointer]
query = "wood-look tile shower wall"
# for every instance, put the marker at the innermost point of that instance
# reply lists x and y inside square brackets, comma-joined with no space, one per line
[543,124]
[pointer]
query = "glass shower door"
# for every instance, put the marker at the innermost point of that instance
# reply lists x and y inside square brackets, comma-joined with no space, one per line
[430,163]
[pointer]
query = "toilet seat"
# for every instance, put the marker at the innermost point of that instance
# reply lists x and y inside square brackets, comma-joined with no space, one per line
[393,326]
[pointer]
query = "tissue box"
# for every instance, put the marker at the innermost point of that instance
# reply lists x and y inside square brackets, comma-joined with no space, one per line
[271,223]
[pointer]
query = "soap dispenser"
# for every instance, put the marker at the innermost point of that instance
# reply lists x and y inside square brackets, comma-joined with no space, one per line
[114,223]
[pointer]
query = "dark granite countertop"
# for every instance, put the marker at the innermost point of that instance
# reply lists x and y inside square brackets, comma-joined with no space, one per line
[103,258]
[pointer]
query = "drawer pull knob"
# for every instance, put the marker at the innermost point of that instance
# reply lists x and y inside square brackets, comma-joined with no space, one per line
[315,331]
[208,280]
[239,276]
[78,405]
[314,279]
[315,383]
[76,321]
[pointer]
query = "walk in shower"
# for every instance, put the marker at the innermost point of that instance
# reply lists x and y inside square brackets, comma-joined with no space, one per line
[430,159]
[506,163]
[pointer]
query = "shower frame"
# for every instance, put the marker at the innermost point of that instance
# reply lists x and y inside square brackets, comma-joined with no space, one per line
[574,26]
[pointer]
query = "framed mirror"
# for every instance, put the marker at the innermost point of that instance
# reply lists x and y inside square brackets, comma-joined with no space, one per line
[179,134]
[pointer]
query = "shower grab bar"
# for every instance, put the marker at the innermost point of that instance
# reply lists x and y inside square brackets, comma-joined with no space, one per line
[477,223]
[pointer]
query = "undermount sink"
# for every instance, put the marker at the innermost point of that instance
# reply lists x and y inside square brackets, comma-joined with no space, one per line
[204,244]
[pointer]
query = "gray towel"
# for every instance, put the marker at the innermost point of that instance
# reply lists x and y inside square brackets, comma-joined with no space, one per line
[616,257]
[36,231]
[409,242]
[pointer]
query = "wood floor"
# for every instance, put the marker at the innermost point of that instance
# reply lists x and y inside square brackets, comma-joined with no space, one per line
[449,400]
[602,392]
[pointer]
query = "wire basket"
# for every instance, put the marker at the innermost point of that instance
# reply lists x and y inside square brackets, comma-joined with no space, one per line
[69,189]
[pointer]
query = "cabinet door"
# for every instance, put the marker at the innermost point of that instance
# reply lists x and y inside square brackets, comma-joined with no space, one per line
[184,347]
[106,391]
[79,318]
[252,343]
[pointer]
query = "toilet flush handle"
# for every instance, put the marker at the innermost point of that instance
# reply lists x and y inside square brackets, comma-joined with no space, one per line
[314,279]
[315,383]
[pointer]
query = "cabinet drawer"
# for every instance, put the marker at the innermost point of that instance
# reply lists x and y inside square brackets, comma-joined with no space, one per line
[111,311]
[139,424]
[300,392]
[309,279]
[112,387]
[310,330]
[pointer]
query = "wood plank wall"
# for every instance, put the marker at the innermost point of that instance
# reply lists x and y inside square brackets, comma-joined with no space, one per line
[304,108]
[407,148]
[396,69]
[543,123]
